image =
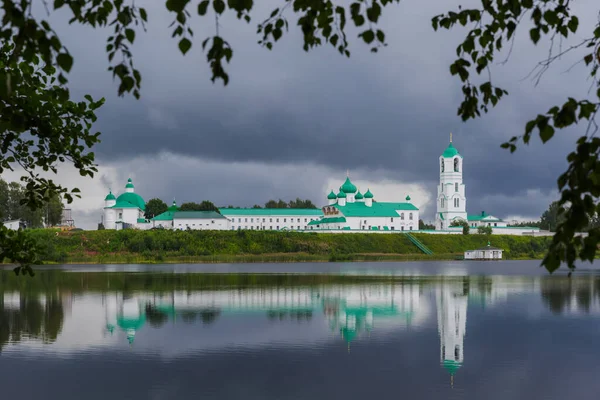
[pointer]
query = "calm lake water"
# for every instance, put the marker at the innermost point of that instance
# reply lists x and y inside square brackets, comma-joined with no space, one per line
[422,330]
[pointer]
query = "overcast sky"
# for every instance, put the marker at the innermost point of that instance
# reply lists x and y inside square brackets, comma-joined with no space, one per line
[290,123]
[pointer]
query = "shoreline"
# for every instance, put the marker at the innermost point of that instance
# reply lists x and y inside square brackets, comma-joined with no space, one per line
[282,258]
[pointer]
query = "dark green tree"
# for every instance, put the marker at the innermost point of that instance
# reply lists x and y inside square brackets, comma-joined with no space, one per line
[205,205]
[484,230]
[155,207]
[276,204]
[424,226]
[463,223]
[299,203]
[52,211]
[551,217]
[256,206]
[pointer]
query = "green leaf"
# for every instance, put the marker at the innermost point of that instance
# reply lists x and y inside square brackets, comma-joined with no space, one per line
[219,6]
[184,45]
[573,24]
[368,36]
[130,35]
[588,59]
[203,7]
[546,133]
[534,34]
[143,14]
[65,61]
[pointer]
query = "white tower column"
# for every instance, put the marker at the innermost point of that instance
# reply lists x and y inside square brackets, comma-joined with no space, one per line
[451,196]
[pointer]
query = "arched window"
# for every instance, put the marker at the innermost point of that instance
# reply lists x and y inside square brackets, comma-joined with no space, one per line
[442,164]
[456,164]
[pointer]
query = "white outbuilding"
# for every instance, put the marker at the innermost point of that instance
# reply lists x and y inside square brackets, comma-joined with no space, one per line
[484,253]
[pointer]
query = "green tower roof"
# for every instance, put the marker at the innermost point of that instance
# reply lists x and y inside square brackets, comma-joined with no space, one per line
[450,151]
[451,366]
[348,187]
[368,195]
[129,184]
[331,196]
[359,196]
[341,194]
[132,199]
[173,207]
[407,198]
[110,196]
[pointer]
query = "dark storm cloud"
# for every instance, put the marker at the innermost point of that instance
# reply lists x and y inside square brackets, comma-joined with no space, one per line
[392,111]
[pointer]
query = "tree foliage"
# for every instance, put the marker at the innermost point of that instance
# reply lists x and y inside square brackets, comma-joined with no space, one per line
[12,197]
[298,203]
[205,205]
[425,226]
[484,230]
[155,207]
[463,223]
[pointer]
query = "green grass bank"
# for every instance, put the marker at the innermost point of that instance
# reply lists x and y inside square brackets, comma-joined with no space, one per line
[158,246]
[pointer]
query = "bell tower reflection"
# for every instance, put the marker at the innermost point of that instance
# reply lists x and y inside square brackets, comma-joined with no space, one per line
[452,299]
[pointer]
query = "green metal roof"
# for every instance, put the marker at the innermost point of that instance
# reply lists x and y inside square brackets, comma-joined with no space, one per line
[451,366]
[407,198]
[368,195]
[482,216]
[123,204]
[359,196]
[133,199]
[442,216]
[110,196]
[315,222]
[331,196]
[197,215]
[275,212]
[451,151]
[129,184]
[348,187]
[142,220]
[378,209]
[341,194]
[166,216]
[131,323]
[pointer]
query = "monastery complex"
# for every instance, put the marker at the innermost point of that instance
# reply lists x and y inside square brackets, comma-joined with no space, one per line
[346,211]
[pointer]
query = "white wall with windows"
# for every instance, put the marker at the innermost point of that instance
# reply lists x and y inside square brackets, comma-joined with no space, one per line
[208,224]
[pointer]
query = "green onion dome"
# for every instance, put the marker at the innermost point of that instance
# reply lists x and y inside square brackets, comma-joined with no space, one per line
[359,196]
[341,194]
[133,199]
[450,151]
[368,195]
[348,187]
[110,196]
[407,198]
[173,207]
[331,196]
[129,184]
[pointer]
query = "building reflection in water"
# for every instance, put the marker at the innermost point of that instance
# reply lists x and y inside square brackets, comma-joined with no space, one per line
[350,311]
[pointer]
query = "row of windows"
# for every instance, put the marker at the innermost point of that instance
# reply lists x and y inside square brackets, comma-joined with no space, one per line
[456,202]
[239,220]
[455,187]
[262,228]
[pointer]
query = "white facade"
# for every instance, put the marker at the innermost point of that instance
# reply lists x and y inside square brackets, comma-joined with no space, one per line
[451,198]
[207,224]
[125,211]
[14,224]
[484,253]
[261,219]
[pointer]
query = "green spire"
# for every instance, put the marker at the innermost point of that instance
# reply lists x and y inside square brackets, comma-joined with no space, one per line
[408,198]
[110,196]
[331,196]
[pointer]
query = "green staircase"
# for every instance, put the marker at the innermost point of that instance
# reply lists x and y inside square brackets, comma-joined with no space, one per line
[418,243]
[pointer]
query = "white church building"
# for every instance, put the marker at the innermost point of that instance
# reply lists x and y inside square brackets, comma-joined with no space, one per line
[347,211]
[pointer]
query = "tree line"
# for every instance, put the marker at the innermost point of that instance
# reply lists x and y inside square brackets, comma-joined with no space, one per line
[12,207]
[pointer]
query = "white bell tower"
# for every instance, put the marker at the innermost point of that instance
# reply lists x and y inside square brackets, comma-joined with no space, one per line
[451,200]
